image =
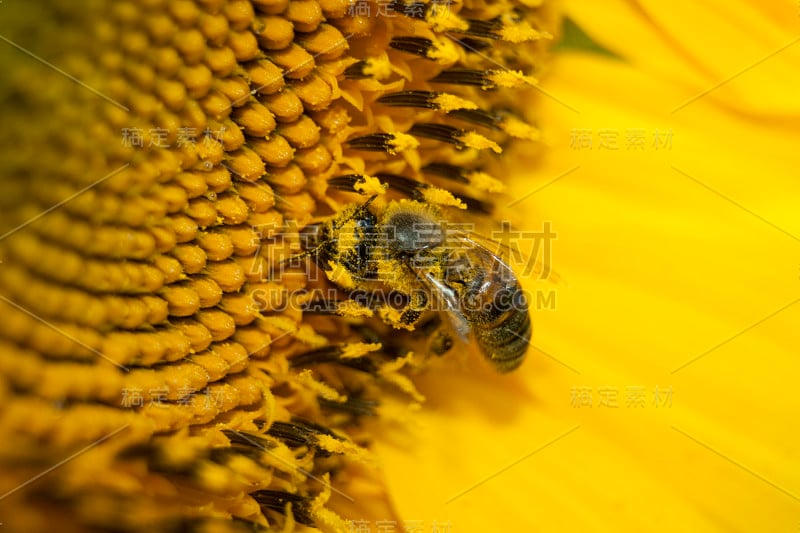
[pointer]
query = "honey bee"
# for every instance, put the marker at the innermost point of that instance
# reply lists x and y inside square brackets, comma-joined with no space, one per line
[406,252]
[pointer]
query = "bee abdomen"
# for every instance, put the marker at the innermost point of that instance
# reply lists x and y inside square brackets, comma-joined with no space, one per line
[500,322]
[506,341]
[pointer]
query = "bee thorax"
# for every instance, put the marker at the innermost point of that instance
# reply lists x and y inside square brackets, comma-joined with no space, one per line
[414,233]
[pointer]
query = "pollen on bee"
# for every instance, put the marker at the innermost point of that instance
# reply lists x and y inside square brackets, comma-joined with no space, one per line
[353,309]
[393,317]
[340,275]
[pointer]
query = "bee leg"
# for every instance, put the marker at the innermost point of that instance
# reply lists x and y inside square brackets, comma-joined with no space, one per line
[369,335]
[409,315]
[441,342]
[430,332]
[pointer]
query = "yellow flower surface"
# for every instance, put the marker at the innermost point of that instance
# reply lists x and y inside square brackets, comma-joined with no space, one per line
[660,394]
[155,375]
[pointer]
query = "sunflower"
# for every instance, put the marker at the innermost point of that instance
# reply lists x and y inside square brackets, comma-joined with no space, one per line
[660,394]
[150,173]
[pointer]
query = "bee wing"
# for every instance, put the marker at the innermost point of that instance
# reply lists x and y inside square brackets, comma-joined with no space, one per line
[482,250]
[501,251]
[506,253]
[447,297]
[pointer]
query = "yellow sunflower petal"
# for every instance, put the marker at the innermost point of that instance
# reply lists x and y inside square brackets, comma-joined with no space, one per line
[680,289]
[741,53]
